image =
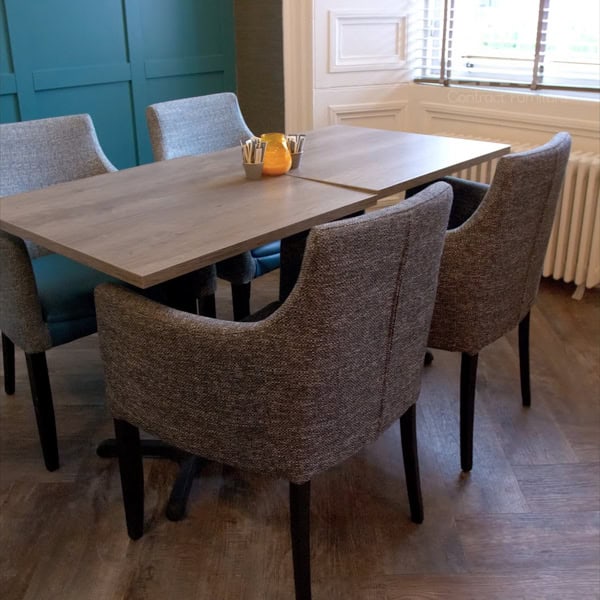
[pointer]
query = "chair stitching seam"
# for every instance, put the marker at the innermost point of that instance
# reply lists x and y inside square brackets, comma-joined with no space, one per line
[391,326]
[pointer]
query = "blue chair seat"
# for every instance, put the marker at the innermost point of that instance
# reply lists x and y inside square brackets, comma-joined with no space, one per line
[66,292]
[267,258]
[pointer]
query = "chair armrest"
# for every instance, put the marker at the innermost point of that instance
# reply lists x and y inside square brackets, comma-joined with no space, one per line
[467,196]
[172,373]
[137,330]
[470,305]
[225,390]
[21,316]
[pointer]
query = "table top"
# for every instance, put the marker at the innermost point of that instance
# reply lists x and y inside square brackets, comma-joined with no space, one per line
[151,223]
[387,162]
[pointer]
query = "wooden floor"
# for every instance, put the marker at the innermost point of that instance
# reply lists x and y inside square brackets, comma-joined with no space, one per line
[523,525]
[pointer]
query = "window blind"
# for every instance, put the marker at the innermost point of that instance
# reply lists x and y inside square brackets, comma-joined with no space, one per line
[521,43]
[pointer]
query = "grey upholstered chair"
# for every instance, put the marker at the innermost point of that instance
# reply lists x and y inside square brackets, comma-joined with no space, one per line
[47,299]
[207,124]
[492,264]
[308,385]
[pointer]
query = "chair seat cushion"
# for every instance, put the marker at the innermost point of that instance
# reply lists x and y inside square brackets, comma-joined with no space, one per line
[267,250]
[66,288]
[267,258]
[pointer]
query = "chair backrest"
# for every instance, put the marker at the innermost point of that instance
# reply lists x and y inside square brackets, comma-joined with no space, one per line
[195,125]
[497,264]
[36,154]
[310,385]
[362,306]
[33,155]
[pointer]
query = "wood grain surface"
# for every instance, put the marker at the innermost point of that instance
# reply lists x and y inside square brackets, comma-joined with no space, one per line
[149,224]
[387,162]
[152,223]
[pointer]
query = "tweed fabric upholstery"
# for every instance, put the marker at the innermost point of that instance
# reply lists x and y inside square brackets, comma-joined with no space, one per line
[34,282]
[36,154]
[21,317]
[492,263]
[471,193]
[311,384]
[467,197]
[200,125]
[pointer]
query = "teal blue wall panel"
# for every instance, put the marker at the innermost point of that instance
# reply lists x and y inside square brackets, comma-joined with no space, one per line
[9,109]
[9,106]
[111,59]
[161,89]
[111,110]
[191,30]
[68,33]
[188,50]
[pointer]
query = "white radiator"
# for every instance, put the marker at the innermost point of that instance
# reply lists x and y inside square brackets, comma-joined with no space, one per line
[573,253]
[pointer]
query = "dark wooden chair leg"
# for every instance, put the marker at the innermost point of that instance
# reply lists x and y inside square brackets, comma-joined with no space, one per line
[132,476]
[468,378]
[300,531]
[408,434]
[240,297]
[41,394]
[207,306]
[8,359]
[524,360]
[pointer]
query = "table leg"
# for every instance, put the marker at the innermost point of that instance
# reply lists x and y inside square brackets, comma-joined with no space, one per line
[292,253]
[189,469]
[189,464]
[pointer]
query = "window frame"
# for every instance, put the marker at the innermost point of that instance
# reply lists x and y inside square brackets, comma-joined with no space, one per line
[442,36]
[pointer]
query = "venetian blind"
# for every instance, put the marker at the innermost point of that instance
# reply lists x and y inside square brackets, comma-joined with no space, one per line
[523,43]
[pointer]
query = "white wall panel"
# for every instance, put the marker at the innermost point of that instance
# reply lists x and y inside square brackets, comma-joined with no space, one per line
[358,43]
[379,106]
[366,42]
[382,115]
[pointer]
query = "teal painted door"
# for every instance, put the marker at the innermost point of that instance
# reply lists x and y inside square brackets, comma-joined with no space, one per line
[111,58]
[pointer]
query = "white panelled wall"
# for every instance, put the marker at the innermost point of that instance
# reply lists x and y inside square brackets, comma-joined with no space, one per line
[347,61]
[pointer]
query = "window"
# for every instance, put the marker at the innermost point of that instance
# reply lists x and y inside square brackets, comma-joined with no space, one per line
[522,43]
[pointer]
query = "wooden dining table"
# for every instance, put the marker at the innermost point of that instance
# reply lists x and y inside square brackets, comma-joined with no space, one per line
[153,223]
[382,162]
[149,224]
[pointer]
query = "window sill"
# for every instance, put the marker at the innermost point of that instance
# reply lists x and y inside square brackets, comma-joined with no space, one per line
[590,96]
